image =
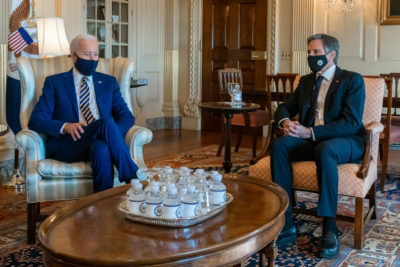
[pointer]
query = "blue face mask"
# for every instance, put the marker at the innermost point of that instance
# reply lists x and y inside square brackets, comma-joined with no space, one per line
[86,67]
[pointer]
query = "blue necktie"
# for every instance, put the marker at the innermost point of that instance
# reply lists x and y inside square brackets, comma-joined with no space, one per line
[310,118]
[84,97]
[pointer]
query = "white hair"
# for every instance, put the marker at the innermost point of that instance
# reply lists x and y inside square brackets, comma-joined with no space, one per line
[74,45]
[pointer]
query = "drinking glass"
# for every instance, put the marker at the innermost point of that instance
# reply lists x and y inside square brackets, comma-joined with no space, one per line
[149,173]
[232,88]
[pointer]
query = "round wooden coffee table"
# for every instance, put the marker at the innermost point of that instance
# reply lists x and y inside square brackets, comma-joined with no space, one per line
[93,232]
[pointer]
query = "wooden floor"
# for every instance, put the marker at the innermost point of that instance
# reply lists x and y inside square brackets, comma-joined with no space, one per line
[168,142]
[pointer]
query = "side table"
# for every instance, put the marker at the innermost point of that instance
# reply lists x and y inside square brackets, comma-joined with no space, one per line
[228,110]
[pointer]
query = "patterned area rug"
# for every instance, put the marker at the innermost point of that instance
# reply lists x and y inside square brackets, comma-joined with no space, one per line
[382,238]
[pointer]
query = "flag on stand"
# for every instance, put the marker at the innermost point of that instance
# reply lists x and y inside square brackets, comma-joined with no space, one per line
[18,40]
[22,41]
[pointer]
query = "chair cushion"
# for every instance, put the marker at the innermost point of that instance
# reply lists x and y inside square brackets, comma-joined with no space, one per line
[257,118]
[54,169]
[305,178]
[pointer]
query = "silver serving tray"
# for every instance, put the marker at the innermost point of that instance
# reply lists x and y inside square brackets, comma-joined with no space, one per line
[181,222]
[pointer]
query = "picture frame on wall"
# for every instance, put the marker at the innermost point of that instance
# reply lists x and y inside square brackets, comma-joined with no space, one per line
[390,12]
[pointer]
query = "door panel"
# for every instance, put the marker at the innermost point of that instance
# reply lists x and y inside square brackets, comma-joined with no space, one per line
[231,30]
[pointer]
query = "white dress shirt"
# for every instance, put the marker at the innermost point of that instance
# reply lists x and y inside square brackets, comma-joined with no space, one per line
[326,82]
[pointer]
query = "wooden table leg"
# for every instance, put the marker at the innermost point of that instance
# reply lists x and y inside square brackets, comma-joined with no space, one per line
[270,253]
[227,164]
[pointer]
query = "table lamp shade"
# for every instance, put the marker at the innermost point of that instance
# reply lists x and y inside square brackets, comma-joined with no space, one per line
[51,37]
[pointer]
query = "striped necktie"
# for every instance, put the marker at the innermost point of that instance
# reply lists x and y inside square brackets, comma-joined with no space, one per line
[84,97]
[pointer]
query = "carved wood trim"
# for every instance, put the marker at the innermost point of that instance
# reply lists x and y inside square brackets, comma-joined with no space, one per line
[191,108]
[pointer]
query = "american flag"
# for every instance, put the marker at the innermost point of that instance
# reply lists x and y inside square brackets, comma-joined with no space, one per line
[18,40]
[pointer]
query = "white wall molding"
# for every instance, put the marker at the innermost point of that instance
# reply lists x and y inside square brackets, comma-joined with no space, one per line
[272,37]
[171,71]
[171,60]
[303,26]
[74,14]
[191,108]
[5,7]
[3,80]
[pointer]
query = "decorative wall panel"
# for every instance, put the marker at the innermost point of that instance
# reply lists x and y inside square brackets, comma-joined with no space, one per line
[351,38]
[3,78]
[5,6]
[303,21]
[73,12]
[151,26]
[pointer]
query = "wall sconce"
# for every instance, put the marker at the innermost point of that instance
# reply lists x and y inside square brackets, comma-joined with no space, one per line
[52,39]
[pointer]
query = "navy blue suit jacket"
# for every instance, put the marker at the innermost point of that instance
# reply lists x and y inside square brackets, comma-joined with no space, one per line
[58,104]
[343,110]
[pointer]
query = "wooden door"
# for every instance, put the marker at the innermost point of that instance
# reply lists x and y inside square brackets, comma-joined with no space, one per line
[232,29]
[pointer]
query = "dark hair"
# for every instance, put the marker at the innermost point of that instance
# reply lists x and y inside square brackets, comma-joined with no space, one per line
[329,42]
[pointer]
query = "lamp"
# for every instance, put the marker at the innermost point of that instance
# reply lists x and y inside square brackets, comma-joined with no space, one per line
[347,5]
[51,37]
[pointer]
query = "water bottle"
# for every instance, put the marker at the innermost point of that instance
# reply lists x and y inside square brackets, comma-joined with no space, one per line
[183,182]
[164,175]
[136,199]
[190,202]
[217,190]
[200,183]
[154,201]
[172,204]
[130,191]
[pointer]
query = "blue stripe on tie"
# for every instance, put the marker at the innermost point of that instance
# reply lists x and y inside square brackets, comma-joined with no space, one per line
[83,104]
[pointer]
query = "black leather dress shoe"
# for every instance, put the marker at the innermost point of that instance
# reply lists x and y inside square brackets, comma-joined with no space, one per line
[287,237]
[329,245]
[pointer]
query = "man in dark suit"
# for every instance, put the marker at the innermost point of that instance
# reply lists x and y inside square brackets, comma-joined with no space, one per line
[329,131]
[85,117]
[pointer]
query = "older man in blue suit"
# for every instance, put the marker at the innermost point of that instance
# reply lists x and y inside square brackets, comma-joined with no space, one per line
[85,117]
[329,131]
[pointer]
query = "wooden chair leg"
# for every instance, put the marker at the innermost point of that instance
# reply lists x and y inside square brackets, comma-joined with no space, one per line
[254,146]
[359,223]
[239,141]
[33,212]
[384,166]
[372,200]
[294,201]
[222,140]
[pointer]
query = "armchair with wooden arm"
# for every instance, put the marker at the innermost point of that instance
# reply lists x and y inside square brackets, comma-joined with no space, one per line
[355,180]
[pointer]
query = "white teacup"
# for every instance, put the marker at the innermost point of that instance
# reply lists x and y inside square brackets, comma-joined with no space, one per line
[153,210]
[190,210]
[172,212]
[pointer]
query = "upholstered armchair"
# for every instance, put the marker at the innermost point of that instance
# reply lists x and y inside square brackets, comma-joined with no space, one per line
[47,179]
[355,180]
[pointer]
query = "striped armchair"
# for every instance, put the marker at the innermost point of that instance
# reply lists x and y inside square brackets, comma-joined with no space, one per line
[355,180]
[47,179]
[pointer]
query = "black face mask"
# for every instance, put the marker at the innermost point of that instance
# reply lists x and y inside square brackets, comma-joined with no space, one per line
[317,63]
[86,67]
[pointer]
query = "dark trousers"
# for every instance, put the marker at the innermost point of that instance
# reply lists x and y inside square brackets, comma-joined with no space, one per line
[326,154]
[103,144]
